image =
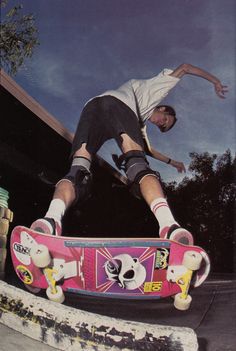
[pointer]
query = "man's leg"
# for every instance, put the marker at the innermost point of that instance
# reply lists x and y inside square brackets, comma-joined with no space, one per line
[66,192]
[152,193]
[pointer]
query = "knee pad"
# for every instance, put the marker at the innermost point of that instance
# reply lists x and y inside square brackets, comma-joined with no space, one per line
[81,177]
[136,167]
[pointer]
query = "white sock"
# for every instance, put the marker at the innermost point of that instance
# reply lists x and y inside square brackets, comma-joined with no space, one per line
[56,210]
[162,212]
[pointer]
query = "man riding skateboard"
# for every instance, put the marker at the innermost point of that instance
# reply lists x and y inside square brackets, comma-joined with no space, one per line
[121,115]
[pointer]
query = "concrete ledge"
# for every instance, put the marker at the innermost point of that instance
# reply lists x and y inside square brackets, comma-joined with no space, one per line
[66,328]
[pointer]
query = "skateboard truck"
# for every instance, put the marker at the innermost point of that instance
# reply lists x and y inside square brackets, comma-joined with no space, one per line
[48,273]
[41,258]
[192,261]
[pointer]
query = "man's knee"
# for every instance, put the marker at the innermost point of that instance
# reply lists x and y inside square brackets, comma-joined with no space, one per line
[136,167]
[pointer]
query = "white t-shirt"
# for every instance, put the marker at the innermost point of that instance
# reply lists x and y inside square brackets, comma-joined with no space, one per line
[142,96]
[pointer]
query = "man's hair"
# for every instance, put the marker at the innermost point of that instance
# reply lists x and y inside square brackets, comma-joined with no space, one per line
[171,112]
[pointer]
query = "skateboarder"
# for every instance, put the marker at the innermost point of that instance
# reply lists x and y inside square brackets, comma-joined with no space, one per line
[121,114]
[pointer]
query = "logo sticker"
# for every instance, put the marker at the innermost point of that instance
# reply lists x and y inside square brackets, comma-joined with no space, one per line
[127,271]
[124,269]
[22,253]
[162,257]
[152,287]
[24,274]
[22,249]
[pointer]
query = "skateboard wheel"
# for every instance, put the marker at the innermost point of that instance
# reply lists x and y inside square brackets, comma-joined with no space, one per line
[58,297]
[32,289]
[40,256]
[192,260]
[182,304]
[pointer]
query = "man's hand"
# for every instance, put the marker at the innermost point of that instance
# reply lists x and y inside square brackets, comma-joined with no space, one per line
[178,165]
[220,90]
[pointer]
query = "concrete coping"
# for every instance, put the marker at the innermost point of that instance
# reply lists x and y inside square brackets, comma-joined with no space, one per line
[67,328]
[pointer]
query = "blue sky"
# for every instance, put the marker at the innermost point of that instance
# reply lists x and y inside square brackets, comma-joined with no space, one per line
[89,46]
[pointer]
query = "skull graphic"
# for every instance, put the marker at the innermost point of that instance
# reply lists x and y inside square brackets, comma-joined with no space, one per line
[127,271]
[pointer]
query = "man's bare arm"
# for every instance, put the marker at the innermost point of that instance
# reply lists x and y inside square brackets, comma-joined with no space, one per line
[150,151]
[186,68]
[163,158]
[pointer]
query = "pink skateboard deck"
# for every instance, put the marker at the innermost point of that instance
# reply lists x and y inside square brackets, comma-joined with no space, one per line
[122,268]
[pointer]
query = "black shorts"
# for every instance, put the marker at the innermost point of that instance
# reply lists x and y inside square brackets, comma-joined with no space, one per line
[105,118]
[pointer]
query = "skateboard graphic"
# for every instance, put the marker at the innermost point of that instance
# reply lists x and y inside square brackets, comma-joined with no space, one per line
[122,268]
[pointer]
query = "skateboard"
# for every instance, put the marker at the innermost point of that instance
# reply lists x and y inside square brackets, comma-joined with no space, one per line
[134,268]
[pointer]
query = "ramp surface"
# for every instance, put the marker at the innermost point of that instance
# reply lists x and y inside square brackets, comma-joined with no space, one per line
[211,317]
[212,314]
[71,329]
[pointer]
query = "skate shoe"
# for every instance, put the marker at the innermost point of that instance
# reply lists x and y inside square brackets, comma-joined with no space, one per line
[47,226]
[176,233]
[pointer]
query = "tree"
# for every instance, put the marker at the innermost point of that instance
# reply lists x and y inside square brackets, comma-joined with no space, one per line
[18,38]
[205,204]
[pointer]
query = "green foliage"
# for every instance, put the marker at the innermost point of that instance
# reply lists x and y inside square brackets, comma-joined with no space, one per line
[205,204]
[18,38]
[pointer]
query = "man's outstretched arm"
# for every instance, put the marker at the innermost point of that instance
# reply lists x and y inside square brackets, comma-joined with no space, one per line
[150,151]
[186,68]
[163,158]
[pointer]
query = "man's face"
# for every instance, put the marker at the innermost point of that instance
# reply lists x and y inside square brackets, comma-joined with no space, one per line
[162,119]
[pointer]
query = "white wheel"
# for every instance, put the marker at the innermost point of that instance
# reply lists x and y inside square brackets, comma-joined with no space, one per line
[181,303]
[192,260]
[58,297]
[32,289]
[40,256]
